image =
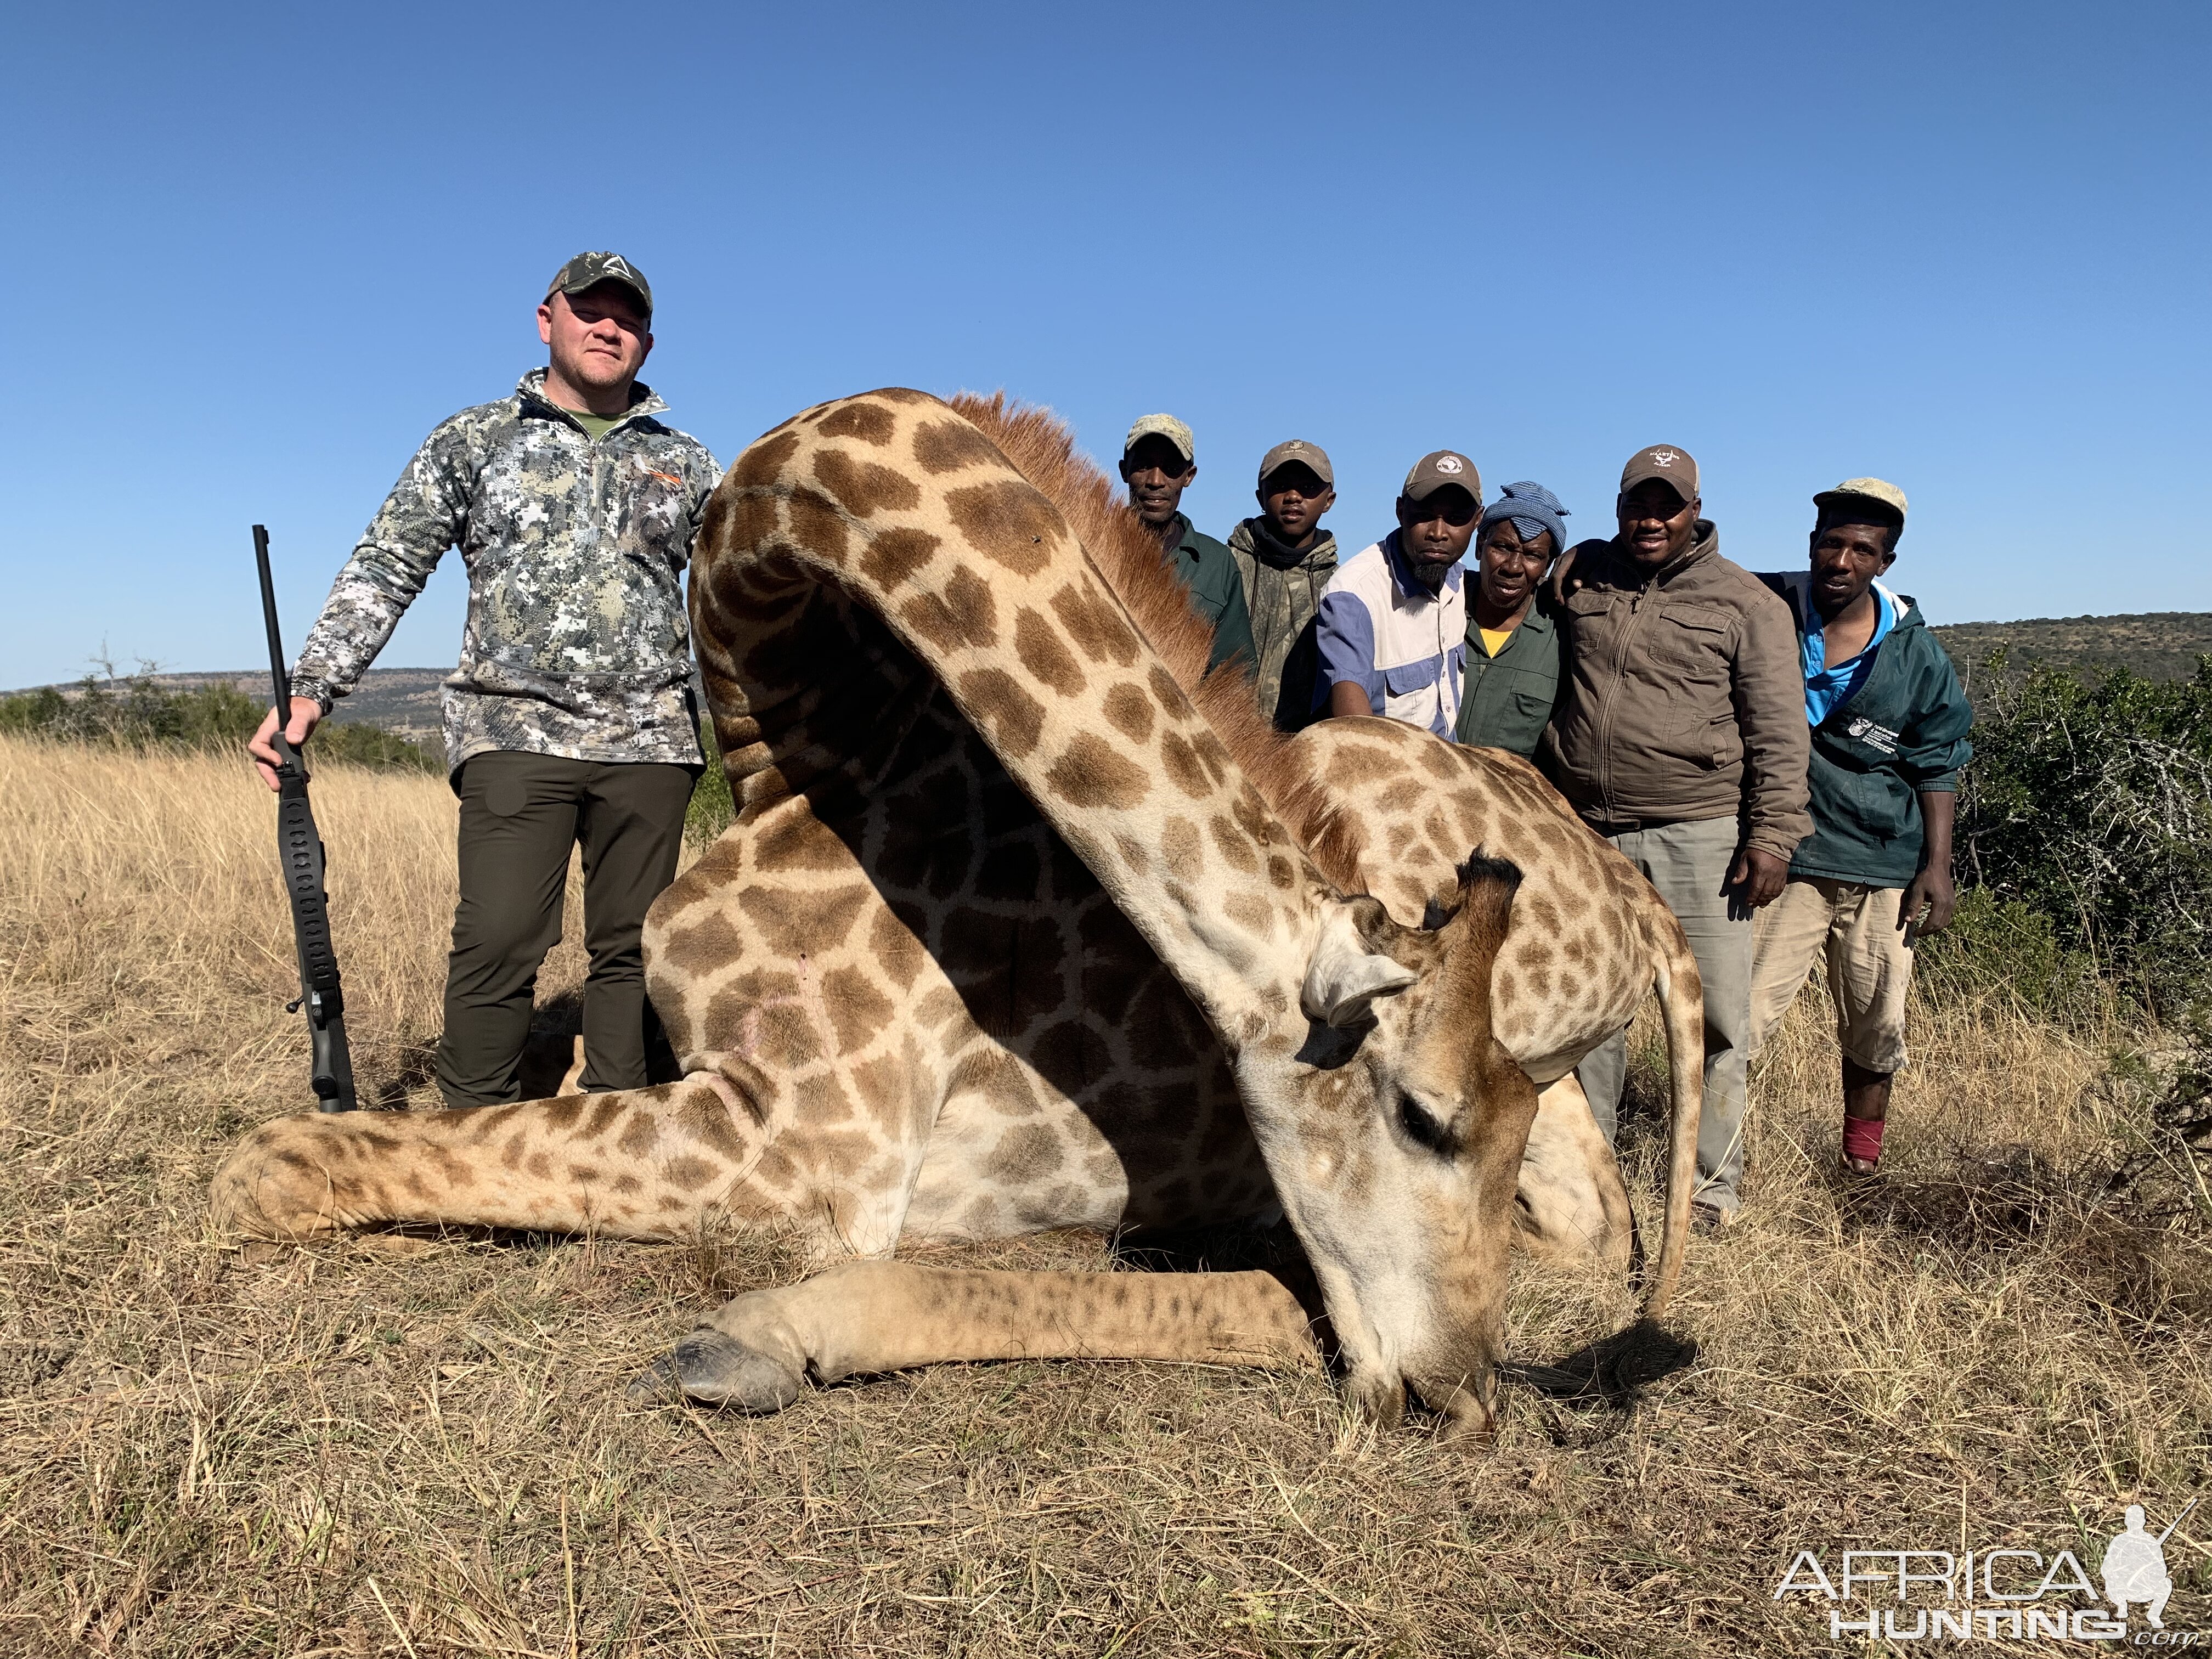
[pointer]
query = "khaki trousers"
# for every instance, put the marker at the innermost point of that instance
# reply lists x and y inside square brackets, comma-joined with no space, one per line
[1689,864]
[1869,969]
[520,814]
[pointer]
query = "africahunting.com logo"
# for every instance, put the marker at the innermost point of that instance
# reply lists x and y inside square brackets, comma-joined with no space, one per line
[1936,1595]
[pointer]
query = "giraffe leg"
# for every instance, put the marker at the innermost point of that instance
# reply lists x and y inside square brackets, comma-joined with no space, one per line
[1571,1205]
[757,1352]
[640,1163]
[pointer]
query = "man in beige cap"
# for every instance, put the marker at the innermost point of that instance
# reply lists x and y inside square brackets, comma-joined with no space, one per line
[1680,739]
[1286,559]
[1889,723]
[1393,632]
[1160,461]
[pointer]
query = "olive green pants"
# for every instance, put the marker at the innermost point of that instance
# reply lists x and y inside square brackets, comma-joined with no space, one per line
[520,814]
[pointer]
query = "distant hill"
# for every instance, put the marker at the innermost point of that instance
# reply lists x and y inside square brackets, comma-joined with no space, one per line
[2157,644]
[402,700]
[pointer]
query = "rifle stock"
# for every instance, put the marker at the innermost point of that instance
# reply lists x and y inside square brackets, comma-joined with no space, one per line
[299,855]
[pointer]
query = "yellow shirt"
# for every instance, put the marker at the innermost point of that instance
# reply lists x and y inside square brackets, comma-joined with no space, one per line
[1493,641]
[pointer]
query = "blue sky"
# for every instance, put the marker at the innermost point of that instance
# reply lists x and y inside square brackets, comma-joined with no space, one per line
[259,253]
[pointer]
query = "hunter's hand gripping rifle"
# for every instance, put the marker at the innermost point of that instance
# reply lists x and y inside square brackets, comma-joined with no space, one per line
[300,851]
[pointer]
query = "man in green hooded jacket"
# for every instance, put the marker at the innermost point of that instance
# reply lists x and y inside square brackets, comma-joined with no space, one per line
[1889,723]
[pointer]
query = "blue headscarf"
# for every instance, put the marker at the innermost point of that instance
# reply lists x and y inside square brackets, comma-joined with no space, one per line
[1533,509]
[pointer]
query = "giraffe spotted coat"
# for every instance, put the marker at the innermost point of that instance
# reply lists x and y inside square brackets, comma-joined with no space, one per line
[1023,923]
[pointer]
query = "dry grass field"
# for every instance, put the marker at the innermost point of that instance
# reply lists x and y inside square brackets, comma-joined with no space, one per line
[394,1447]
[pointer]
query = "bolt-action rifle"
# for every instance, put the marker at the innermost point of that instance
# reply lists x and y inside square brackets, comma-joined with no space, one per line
[299,852]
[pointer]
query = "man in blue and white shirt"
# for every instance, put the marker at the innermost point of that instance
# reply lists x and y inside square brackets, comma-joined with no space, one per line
[1393,623]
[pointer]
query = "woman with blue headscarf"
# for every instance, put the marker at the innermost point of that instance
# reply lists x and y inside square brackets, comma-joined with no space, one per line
[1513,647]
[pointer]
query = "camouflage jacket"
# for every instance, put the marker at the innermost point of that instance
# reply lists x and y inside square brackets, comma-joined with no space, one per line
[577,643]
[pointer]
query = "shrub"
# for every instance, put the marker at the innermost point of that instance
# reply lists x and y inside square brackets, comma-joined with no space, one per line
[2086,819]
[138,712]
[712,809]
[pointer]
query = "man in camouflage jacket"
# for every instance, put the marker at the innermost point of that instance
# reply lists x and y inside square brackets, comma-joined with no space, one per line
[570,717]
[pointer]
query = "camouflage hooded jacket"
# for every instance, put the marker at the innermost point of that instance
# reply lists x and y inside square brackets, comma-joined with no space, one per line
[577,643]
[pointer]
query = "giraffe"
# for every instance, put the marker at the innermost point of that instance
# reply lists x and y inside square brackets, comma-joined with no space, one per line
[1023,922]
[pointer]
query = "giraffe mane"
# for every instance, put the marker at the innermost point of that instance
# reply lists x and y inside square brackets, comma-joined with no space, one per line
[1039,446]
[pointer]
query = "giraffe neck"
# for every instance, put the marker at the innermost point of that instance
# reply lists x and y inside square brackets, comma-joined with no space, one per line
[890,509]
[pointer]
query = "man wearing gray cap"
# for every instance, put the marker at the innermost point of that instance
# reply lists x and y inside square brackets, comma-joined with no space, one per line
[1681,739]
[1393,633]
[1160,461]
[570,718]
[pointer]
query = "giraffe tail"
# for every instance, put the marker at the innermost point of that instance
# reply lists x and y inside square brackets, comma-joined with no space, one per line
[1682,1008]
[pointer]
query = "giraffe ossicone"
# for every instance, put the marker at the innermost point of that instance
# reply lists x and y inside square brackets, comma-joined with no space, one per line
[1026,922]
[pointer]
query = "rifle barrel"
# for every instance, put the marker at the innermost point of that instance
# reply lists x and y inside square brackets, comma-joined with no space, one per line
[278,678]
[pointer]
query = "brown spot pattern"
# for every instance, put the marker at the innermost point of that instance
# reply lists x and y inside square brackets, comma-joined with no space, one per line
[794,922]
[1038,644]
[1090,774]
[763,462]
[949,445]
[1130,713]
[1008,715]
[1007,520]
[863,486]
[1182,766]
[894,556]
[963,615]
[866,422]
[1096,626]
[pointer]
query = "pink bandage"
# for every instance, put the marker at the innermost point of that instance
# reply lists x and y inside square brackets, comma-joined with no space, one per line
[1862,1139]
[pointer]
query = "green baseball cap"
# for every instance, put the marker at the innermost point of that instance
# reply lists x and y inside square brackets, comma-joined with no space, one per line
[590,269]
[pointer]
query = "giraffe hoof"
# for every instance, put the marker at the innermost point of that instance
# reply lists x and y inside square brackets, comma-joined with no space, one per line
[723,1371]
[659,1385]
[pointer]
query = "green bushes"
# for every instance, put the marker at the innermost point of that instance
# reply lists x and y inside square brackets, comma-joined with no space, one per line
[136,712]
[2084,829]
[711,808]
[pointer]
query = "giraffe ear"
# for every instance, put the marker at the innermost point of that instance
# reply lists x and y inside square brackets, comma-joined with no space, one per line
[1347,972]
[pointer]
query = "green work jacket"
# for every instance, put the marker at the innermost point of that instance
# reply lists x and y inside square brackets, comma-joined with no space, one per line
[1506,701]
[1209,576]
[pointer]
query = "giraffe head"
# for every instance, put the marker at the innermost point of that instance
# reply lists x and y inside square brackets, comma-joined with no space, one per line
[1406,1119]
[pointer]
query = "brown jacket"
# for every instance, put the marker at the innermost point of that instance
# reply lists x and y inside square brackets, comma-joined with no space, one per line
[1686,700]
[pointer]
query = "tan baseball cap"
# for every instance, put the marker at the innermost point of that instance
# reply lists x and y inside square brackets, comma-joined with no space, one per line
[1439,468]
[1879,491]
[590,269]
[1667,461]
[1162,426]
[1305,455]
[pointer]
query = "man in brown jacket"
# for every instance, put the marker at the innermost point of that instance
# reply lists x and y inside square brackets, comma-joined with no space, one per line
[1681,739]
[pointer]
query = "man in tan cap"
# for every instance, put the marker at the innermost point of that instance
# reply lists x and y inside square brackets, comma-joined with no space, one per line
[1393,632]
[1680,739]
[1160,461]
[1889,723]
[1286,559]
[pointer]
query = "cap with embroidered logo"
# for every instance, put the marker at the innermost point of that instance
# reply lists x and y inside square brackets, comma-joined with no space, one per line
[1298,451]
[1439,468]
[1665,461]
[1879,492]
[1162,426]
[589,270]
